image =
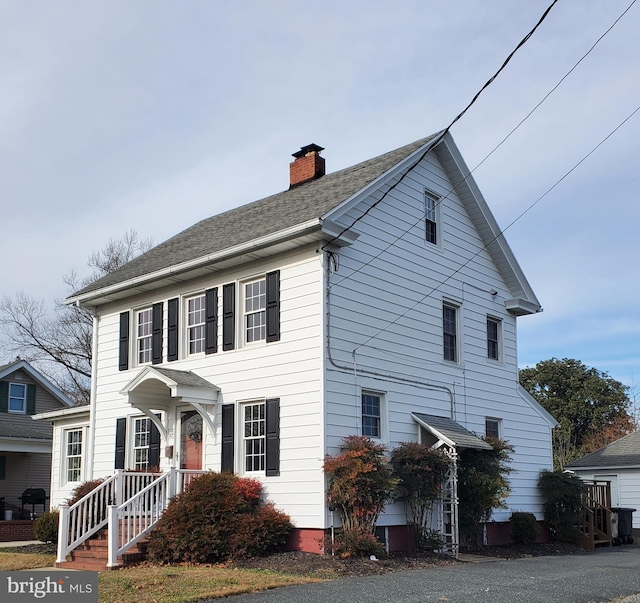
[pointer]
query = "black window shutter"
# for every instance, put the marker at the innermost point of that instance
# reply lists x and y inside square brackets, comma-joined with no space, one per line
[172,329]
[211,321]
[154,446]
[121,439]
[273,306]
[4,396]
[31,399]
[3,466]
[228,316]
[156,338]
[228,439]
[273,436]
[124,341]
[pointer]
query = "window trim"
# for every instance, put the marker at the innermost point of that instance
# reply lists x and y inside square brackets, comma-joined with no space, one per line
[147,336]
[261,281]
[66,456]
[446,305]
[382,414]
[132,444]
[202,325]
[432,222]
[498,424]
[23,411]
[243,439]
[498,340]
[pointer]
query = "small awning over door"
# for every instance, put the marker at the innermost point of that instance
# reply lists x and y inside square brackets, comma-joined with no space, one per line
[155,388]
[447,431]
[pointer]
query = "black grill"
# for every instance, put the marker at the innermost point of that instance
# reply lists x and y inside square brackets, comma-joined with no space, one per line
[33,497]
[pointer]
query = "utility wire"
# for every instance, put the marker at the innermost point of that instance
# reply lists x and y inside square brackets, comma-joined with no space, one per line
[434,289]
[440,135]
[454,189]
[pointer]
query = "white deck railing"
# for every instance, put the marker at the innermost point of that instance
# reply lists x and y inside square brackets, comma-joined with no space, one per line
[130,503]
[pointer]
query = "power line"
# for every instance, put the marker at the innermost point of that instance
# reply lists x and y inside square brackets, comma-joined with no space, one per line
[439,136]
[442,199]
[434,289]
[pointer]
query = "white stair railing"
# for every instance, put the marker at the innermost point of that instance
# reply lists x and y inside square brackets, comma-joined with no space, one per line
[84,518]
[131,521]
[129,503]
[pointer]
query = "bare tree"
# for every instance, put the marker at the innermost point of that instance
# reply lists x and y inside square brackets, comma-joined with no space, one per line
[59,341]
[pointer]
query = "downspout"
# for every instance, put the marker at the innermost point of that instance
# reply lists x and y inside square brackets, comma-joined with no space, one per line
[361,371]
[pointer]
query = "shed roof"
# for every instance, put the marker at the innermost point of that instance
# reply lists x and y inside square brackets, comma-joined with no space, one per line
[451,432]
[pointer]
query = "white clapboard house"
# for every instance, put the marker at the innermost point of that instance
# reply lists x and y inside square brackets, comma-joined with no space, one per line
[380,299]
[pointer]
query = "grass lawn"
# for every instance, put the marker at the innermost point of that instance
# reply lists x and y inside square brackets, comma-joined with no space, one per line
[161,584]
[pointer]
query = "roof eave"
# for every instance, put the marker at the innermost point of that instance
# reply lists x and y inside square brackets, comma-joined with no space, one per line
[300,234]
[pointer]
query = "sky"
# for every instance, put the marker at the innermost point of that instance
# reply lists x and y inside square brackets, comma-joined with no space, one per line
[155,114]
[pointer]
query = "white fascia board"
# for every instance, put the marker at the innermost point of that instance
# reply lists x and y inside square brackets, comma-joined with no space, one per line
[25,445]
[63,413]
[387,178]
[36,376]
[266,241]
[531,401]
[598,469]
[466,178]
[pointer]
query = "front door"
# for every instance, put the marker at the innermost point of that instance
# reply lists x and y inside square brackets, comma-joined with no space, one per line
[190,440]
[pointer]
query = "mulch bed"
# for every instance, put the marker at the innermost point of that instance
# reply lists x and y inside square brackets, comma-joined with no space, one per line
[325,566]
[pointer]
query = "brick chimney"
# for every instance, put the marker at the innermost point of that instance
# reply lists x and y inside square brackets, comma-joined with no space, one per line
[307,166]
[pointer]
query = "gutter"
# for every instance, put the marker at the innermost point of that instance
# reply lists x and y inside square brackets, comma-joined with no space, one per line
[272,239]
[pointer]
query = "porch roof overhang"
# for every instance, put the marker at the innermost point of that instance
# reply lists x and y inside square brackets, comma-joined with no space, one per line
[15,438]
[154,389]
[449,432]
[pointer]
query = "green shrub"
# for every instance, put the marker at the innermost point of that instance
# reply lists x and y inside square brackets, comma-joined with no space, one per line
[563,502]
[357,542]
[45,527]
[524,527]
[420,471]
[482,486]
[218,517]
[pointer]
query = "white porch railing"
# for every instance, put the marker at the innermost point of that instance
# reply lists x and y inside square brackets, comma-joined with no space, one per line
[130,503]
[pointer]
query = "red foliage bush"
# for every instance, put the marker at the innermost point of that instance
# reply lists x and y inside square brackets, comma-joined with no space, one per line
[218,517]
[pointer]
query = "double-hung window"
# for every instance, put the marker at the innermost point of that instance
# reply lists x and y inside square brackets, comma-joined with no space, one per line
[431,216]
[141,441]
[493,338]
[253,439]
[492,427]
[255,310]
[144,335]
[17,398]
[196,318]
[73,452]
[371,414]
[450,332]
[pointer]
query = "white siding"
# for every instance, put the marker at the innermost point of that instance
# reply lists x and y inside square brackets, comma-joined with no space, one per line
[290,369]
[386,317]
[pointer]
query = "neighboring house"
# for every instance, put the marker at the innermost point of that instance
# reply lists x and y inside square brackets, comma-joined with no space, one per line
[619,464]
[379,300]
[25,446]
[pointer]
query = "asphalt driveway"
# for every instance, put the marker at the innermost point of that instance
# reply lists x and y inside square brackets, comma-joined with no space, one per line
[602,575]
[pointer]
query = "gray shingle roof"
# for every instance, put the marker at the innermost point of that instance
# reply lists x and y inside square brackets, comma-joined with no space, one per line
[7,430]
[258,219]
[624,452]
[185,378]
[462,437]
